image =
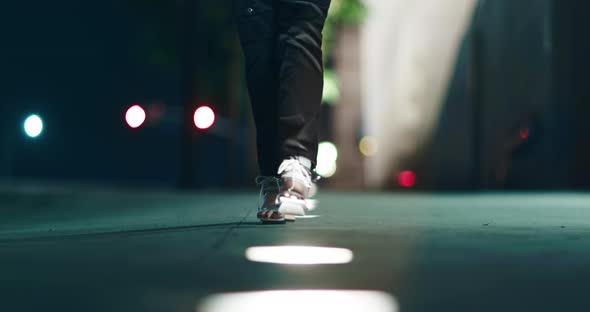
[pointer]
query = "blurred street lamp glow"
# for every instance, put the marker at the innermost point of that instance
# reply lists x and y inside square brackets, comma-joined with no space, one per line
[204,117]
[33,126]
[368,146]
[135,116]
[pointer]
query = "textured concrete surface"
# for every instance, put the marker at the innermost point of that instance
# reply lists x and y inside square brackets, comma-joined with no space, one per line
[66,250]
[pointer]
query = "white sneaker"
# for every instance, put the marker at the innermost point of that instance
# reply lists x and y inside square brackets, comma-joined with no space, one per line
[296,185]
[267,200]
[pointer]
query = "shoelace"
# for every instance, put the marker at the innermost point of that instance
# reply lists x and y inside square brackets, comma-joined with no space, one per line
[266,184]
[296,170]
[315,177]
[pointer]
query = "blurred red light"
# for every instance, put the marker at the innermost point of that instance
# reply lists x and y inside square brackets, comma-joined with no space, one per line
[135,116]
[204,117]
[406,179]
[524,134]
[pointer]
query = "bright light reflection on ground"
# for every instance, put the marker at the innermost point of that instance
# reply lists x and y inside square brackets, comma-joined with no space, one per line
[299,255]
[301,300]
[307,217]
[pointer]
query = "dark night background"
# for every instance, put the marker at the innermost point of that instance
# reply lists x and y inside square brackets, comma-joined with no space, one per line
[81,65]
[522,67]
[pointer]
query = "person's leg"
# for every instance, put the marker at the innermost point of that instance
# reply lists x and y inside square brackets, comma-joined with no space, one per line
[299,46]
[257,30]
[256,27]
[299,50]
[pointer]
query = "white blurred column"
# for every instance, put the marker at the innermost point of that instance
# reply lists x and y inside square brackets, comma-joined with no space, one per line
[408,51]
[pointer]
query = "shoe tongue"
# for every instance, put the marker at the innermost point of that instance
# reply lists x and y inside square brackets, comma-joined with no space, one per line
[304,161]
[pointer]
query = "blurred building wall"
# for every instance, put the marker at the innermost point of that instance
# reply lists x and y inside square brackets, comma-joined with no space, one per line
[409,49]
[518,122]
[478,94]
[572,69]
[348,112]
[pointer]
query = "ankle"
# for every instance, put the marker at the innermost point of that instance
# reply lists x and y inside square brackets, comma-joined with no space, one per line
[304,161]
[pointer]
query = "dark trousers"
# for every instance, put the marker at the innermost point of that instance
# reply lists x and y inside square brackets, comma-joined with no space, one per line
[281,41]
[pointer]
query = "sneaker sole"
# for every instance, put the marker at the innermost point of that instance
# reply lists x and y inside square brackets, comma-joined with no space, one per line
[283,221]
[292,208]
[273,221]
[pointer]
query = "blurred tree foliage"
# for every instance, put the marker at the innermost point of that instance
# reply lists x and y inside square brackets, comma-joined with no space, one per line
[347,12]
[342,13]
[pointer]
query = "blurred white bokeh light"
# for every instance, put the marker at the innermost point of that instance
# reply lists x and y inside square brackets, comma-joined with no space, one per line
[327,157]
[204,117]
[33,126]
[368,146]
[135,116]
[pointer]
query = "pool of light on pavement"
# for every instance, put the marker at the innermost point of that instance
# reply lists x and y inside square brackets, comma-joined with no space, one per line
[299,255]
[301,300]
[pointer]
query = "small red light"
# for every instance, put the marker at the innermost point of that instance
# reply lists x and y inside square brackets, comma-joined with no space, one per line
[204,117]
[524,133]
[406,179]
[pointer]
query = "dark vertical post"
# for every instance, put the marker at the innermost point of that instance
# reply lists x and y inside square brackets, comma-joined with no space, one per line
[572,43]
[8,143]
[187,31]
[235,112]
[475,84]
